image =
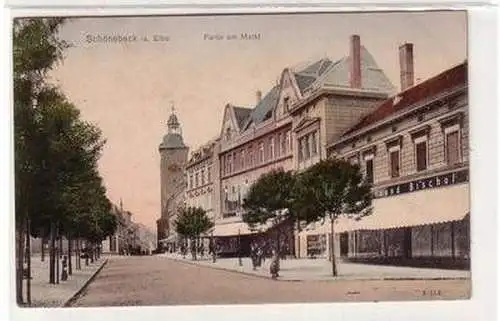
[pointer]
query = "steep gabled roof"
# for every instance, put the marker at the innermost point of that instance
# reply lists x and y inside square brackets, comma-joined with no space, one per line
[446,80]
[372,77]
[264,108]
[241,114]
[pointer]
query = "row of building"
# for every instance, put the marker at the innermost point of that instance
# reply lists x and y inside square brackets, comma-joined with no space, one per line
[130,237]
[412,145]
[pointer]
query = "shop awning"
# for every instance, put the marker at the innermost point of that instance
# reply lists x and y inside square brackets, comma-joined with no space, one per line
[233,229]
[427,207]
[431,206]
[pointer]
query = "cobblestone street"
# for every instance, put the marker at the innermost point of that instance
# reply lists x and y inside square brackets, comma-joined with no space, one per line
[156,280]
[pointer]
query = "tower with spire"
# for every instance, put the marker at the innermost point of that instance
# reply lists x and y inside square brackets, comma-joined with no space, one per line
[173,158]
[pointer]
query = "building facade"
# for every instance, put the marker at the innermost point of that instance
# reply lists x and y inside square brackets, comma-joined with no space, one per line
[336,95]
[202,176]
[174,156]
[414,150]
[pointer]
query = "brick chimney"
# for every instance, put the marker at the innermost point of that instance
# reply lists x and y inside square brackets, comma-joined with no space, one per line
[355,55]
[406,65]
[258,96]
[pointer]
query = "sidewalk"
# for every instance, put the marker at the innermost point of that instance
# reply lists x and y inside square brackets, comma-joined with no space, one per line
[321,270]
[44,294]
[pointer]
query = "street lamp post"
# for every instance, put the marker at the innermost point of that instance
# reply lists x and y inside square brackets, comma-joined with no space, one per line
[239,249]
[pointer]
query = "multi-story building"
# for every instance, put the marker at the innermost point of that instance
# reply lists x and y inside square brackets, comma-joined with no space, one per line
[413,148]
[202,176]
[293,124]
[174,156]
[333,97]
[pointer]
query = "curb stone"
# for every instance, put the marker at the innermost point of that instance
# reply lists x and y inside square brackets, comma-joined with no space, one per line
[327,280]
[84,286]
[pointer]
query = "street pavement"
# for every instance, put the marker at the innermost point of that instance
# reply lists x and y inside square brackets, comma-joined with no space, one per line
[321,269]
[155,280]
[44,294]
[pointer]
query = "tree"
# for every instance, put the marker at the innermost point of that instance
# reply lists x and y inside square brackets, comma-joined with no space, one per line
[36,49]
[332,188]
[191,223]
[270,201]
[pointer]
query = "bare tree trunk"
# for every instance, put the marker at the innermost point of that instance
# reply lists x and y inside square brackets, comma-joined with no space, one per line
[19,261]
[332,243]
[70,249]
[52,253]
[28,258]
[78,253]
[58,250]
[43,249]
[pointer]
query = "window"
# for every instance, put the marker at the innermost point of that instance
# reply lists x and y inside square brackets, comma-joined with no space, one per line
[314,146]
[191,181]
[394,162]
[301,152]
[286,104]
[243,159]
[202,177]
[271,148]
[289,141]
[196,180]
[369,169]
[209,174]
[230,163]
[283,144]
[261,152]
[228,134]
[353,160]
[305,142]
[277,147]
[452,145]
[421,155]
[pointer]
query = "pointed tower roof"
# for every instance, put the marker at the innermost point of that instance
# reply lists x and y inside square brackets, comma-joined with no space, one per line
[173,139]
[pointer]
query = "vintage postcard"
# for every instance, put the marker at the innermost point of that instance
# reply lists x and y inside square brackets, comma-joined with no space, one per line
[241,159]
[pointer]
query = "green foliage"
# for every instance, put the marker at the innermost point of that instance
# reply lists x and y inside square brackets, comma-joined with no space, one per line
[56,152]
[332,188]
[270,199]
[191,222]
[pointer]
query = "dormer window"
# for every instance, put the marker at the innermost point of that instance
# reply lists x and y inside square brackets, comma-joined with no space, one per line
[286,103]
[228,133]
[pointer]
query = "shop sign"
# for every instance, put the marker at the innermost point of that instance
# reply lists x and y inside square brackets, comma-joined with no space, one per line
[424,184]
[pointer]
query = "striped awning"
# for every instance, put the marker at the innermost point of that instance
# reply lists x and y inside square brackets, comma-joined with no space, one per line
[432,206]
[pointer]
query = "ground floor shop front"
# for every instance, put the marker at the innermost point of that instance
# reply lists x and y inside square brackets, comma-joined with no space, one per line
[424,228]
